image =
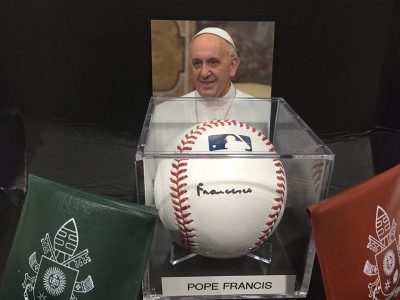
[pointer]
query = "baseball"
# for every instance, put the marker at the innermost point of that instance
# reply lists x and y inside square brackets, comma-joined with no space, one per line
[221,207]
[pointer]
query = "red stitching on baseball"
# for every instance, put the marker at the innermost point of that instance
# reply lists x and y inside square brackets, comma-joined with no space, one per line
[182,215]
[178,202]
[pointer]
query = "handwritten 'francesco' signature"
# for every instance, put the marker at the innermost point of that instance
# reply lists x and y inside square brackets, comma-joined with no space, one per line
[203,191]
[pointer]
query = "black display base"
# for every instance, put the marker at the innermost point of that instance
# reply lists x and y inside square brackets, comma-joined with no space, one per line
[160,264]
[179,254]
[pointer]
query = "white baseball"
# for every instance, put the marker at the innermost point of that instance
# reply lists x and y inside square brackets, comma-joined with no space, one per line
[221,207]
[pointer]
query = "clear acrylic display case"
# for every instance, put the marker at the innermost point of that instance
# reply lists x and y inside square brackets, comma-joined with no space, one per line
[282,266]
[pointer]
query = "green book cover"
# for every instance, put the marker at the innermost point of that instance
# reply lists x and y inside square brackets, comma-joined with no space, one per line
[76,245]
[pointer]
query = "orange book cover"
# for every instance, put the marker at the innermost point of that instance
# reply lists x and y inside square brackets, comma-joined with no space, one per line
[357,239]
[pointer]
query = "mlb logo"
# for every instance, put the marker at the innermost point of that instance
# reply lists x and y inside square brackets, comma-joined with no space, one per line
[54,280]
[230,142]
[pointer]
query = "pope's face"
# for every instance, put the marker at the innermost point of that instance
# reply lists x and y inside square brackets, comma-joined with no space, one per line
[212,65]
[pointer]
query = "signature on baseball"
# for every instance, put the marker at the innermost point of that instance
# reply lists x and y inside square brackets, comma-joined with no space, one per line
[202,191]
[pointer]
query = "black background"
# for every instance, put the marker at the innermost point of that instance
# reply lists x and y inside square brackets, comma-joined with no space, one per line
[336,62]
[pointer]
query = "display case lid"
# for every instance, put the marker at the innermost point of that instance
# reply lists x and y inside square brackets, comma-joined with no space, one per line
[170,119]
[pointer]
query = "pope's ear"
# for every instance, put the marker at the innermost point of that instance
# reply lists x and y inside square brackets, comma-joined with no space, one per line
[235,61]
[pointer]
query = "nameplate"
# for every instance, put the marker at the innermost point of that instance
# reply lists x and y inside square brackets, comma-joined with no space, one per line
[228,285]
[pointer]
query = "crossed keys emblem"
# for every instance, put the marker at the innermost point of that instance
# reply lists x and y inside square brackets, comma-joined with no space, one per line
[386,269]
[56,272]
